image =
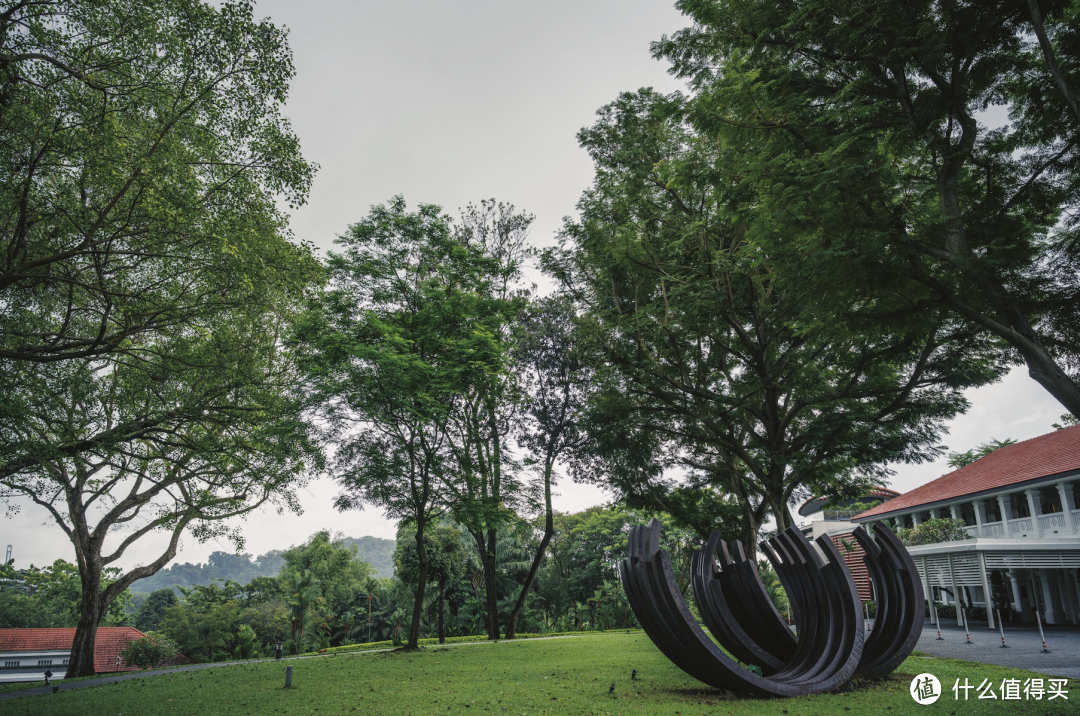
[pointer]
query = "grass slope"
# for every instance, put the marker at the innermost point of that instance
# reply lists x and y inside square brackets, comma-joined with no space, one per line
[534,678]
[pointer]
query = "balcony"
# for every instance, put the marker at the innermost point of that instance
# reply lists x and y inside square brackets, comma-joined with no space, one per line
[1052,523]
[1076,520]
[993,529]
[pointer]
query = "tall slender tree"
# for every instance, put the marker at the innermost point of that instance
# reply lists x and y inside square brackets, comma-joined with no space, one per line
[556,381]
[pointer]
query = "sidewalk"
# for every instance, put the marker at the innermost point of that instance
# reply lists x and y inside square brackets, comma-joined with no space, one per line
[1024,652]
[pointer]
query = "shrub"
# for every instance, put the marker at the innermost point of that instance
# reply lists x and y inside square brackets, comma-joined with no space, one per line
[933,531]
[149,652]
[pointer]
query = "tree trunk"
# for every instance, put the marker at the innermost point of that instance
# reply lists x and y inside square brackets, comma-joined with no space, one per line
[422,572]
[549,532]
[442,611]
[81,660]
[492,594]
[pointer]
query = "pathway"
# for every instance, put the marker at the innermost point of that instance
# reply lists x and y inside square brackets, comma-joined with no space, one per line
[1024,652]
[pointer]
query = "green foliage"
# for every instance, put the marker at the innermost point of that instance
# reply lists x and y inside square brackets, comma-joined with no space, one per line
[247,646]
[153,609]
[933,531]
[50,597]
[220,565]
[149,652]
[958,460]
[714,357]
[332,565]
[205,633]
[858,133]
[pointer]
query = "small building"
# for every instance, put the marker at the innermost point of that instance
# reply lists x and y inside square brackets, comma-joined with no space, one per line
[26,654]
[834,520]
[1019,505]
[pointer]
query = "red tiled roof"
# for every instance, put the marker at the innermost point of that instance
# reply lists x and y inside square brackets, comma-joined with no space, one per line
[883,492]
[107,647]
[1046,455]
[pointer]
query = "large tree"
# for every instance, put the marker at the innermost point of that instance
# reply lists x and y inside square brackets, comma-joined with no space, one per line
[487,486]
[146,278]
[715,360]
[864,131]
[400,342]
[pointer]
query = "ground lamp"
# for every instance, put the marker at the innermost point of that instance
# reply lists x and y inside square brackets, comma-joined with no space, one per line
[832,644]
[279,645]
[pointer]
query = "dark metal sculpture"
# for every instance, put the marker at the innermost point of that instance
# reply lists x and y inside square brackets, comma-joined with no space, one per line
[831,645]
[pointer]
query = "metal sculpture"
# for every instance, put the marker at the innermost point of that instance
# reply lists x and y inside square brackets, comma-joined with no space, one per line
[831,645]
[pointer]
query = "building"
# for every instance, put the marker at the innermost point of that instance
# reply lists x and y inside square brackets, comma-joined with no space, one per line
[1019,505]
[834,521]
[26,654]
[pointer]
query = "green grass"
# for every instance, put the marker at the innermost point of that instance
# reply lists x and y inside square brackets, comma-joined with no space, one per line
[535,678]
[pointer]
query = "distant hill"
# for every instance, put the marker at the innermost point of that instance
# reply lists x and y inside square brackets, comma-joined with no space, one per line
[379,553]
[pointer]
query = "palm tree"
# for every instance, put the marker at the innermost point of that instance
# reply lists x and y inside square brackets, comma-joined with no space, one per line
[301,600]
[370,586]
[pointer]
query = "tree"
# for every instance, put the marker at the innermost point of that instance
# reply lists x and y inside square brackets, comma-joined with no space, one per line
[397,342]
[709,359]
[486,487]
[557,381]
[859,131]
[370,586]
[333,566]
[302,597]
[153,609]
[446,563]
[149,652]
[958,460]
[147,277]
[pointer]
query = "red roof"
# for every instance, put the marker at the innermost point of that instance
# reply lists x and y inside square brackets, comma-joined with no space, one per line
[1046,455]
[110,642]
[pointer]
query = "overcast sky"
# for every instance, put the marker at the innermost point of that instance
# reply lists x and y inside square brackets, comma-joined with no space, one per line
[452,102]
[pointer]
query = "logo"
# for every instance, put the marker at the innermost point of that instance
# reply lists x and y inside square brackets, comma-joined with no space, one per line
[925,689]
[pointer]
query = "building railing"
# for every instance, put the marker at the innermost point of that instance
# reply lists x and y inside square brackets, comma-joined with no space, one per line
[993,529]
[1076,520]
[973,531]
[841,514]
[1052,522]
[1021,526]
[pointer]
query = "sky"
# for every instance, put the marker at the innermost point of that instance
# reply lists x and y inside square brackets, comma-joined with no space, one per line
[450,103]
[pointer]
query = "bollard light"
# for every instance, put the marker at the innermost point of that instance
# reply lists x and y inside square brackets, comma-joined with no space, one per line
[48,674]
[279,645]
[288,676]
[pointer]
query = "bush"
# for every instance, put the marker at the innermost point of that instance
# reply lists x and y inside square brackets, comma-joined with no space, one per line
[933,531]
[149,652]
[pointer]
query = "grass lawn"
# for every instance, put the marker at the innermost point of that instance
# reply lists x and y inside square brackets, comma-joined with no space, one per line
[534,678]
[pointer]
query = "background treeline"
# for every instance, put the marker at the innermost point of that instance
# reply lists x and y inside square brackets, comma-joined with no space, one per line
[377,552]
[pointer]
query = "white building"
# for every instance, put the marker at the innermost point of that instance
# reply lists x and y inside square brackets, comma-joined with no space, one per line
[1020,507]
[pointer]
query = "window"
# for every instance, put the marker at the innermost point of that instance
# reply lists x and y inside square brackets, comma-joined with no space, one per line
[45,662]
[1076,495]
[1049,500]
[992,509]
[1019,505]
[967,513]
[9,664]
[65,662]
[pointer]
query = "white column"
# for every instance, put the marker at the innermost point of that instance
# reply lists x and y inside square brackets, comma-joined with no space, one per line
[955,593]
[1065,508]
[954,510]
[928,592]
[1004,508]
[987,594]
[915,521]
[1035,526]
[978,505]
[1048,597]
[1018,603]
